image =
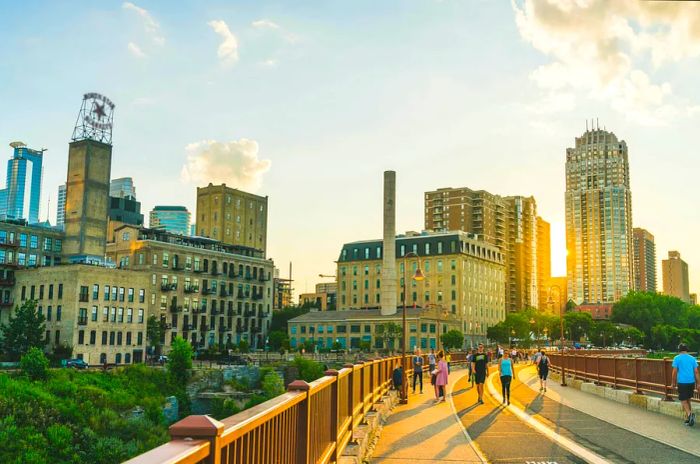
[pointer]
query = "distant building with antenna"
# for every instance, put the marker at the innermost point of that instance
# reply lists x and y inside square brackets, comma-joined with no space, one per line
[22,193]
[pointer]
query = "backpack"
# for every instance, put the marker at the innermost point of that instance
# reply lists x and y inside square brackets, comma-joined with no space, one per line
[544,362]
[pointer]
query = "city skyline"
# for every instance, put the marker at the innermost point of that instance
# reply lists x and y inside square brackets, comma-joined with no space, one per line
[315,138]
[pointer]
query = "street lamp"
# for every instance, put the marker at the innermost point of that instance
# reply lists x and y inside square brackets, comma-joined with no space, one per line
[418,276]
[561,328]
[512,335]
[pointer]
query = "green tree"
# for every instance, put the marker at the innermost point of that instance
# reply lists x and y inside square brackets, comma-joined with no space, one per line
[243,346]
[454,339]
[180,361]
[272,384]
[25,329]
[35,364]
[155,331]
[577,324]
[281,318]
[278,339]
[308,370]
[389,332]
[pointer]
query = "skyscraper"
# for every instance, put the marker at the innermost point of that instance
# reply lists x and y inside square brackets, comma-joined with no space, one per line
[122,187]
[173,219]
[61,207]
[544,263]
[675,275]
[509,223]
[599,262]
[644,261]
[20,198]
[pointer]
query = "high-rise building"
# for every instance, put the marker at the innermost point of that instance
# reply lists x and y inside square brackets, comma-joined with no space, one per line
[598,219]
[644,260]
[232,216]
[675,275]
[20,198]
[509,223]
[122,187]
[544,262]
[61,207]
[173,219]
[125,210]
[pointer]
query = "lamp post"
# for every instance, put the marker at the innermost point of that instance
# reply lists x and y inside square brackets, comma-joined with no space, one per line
[418,276]
[561,328]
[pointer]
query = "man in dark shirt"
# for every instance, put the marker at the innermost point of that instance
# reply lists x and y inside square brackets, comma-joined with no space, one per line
[480,362]
[417,370]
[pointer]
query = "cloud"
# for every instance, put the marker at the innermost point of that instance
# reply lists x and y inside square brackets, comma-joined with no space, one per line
[235,163]
[135,50]
[264,24]
[609,50]
[269,63]
[150,25]
[228,49]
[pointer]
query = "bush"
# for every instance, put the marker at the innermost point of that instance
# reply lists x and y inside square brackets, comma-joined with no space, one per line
[308,370]
[35,364]
[272,385]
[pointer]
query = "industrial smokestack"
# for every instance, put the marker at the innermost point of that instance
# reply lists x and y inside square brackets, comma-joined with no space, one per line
[389,264]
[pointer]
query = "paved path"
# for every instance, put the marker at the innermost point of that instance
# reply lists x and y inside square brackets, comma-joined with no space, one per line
[563,426]
[424,433]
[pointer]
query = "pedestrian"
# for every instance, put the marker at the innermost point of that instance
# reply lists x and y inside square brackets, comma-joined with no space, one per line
[685,376]
[448,360]
[397,377]
[442,377]
[505,371]
[480,367]
[418,370]
[543,370]
[514,355]
[470,356]
[431,360]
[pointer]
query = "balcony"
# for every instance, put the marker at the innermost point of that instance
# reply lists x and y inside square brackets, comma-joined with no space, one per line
[256,329]
[188,327]
[178,267]
[8,282]
[203,328]
[208,291]
[198,270]
[83,298]
[264,313]
[191,288]
[168,287]
[223,293]
[257,297]
[216,272]
[248,277]
[8,243]
[241,329]
[263,279]
[168,326]
[175,309]
[7,303]
[249,313]
[82,320]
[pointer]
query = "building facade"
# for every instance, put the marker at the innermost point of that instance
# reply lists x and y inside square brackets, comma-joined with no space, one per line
[509,223]
[61,207]
[598,219]
[675,276]
[122,187]
[324,298]
[125,210]
[207,292]
[232,216]
[22,193]
[100,312]
[644,260]
[544,262]
[464,278]
[173,219]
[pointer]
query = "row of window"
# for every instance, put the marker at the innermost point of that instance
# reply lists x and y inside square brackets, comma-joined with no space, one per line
[110,338]
[33,294]
[28,260]
[31,241]
[113,314]
[108,292]
[359,328]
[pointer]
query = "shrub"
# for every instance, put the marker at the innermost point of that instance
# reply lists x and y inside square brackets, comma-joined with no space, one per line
[35,364]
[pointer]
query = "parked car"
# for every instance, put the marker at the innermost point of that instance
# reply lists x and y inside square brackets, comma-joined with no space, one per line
[77,364]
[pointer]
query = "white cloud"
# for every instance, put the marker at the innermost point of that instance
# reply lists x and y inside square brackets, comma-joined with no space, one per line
[600,48]
[150,25]
[269,63]
[264,24]
[228,49]
[135,50]
[234,163]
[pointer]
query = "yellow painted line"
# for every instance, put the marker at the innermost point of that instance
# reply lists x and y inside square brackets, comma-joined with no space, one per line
[580,451]
[472,444]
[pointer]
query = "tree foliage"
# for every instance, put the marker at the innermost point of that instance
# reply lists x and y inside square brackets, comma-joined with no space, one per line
[155,331]
[453,339]
[35,364]
[278,339]
[180,361]
[25,329]
[281,318]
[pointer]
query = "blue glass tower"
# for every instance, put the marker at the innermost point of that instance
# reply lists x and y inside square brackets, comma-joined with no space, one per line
[21,196]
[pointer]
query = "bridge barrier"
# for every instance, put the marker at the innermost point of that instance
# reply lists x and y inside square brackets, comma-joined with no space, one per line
[636,373]
[311,423]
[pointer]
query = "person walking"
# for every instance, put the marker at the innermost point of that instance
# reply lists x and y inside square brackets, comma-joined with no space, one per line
[543,370]
[505,371]
[480,362]
[470,356]
[685,376]
[431,360]
[397,377]
[442,377]
[418,370]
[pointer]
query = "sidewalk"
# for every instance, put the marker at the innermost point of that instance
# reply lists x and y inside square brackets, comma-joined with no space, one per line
[662,428]
[424,433]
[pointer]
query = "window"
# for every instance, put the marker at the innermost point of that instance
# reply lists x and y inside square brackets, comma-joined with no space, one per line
[120,315]
[23,240]
[81,337]
[111,338]
[58,312]
[121,293]
[142,295]
[114,293]
[140,320]
[106,293]
[41,292]
[105,314]
[119,338]
[94,313]
[113,314]
[139,338]
[93,337]
[104,337]
[48,313]
[95,291]
[128,338]
[58,245]
[32,260]
[166,259]
[130,315]
[33,242]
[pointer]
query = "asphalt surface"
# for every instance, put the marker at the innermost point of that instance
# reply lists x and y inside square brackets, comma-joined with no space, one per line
[504,438]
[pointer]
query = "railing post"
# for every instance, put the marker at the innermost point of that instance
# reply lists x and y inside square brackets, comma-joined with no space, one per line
[597,369]
[636,375]
[303,421]
[351,393]
[334,411]
[615,372]
[667,397]
[203,428]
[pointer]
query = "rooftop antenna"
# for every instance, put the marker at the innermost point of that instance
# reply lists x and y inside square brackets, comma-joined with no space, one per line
[586,125]
[596,124]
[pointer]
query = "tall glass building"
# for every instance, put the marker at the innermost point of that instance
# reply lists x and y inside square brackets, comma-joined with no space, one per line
[21,196]
[173,219]
[599,261]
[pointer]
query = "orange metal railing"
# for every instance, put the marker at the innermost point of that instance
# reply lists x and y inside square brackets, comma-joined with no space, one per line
[637,373]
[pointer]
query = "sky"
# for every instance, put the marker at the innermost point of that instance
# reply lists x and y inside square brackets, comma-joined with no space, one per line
[308,102]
